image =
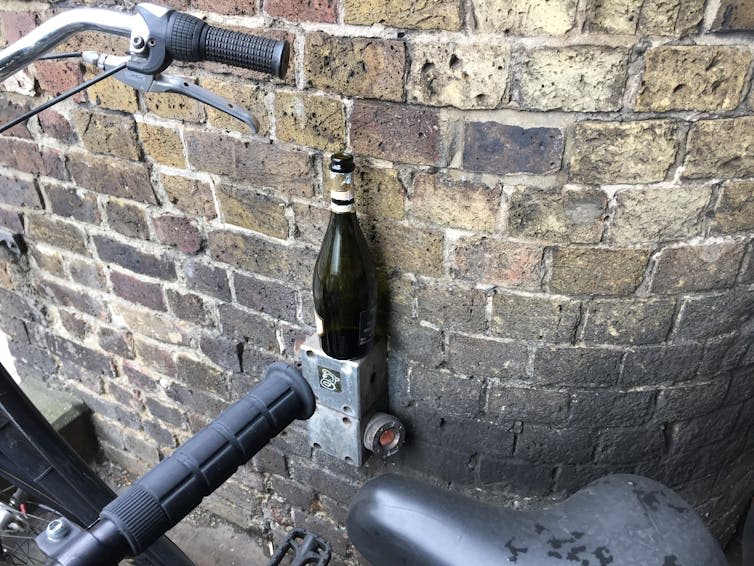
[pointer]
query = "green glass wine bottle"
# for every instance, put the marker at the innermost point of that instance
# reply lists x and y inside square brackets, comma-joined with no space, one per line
[344,282]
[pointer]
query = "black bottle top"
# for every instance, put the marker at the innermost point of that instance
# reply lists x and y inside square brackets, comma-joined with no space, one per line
[341,163]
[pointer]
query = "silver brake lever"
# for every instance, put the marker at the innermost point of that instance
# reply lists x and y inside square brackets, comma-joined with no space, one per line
[169,83]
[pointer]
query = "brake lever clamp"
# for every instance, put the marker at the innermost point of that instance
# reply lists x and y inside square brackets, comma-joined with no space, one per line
[149,40]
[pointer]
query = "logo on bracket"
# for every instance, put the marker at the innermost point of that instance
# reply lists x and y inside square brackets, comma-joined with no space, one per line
[329,379]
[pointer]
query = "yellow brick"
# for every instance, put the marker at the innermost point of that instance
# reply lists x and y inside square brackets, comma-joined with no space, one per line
[163,145]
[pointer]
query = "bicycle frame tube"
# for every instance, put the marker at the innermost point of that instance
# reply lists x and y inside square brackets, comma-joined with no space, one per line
[56,30]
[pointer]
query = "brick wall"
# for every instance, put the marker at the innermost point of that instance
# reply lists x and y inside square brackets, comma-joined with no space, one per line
[559,194]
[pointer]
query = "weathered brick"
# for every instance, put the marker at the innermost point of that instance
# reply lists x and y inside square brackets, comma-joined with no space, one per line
[379,130]
[597,271]
[488,260]
[444,392]
[379,192]
[704,317]
[228,7]
[197,374]
[310,222]
[442,14]
[623,152]
[512,476]
[697,268]
[601,408]
[413,249]
[111,134]
[706,430]
[734,15]
[75,325]
[188,306]
[243,94]
[56,77]
[455,202]
[28,157]
[490,147]
[153,325]
[534,317]
[133,259]
[57,233]
[112,177]
[190,196]
[210,280]
[16,24]
[248,326]
[175,106]
[12,221]
[632,321]
[66,296]
[86,272]
[254,162]
[178,232]
[113,95]
[484,357]
[690,400]
[576,366]
[369,68]
[257,255]
[674,18]
[418,343]
[525,17]
[613,16]
[224,352]
[630,445]
[464,75]
[198,403]
[578,78]
[51,262]
[119,341]
[127,218]
[690,77]
[57,126]
[267,297]
[137,291]
[656,215]
[253,210]
[9,110]
[452,307]
[77,356]
[310,120]
[319,11]
[15,191]
[161,144]
[573,214]
[735,210]
[544,406]
[707,157]
[72,203]
[541,443]
[155,357]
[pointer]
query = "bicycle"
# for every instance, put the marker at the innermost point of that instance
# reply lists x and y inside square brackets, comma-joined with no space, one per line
[392,520]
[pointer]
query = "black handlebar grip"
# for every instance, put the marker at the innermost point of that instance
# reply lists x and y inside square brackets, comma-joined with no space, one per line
[167,493]
[191,39]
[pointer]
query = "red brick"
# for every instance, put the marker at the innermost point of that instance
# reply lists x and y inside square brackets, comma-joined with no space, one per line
[15,25]
[29,158]
[55,125]
[125,179]
[137,291]
[10,110]
[228,7]
[309,11]
[56,77]
[19,192]
[509,264]
[178,232]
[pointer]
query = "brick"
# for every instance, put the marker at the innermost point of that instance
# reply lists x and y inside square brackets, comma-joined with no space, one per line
[623,152]
[534,317]
[704,78]
[690,400]
[15,191]
[206,279]
[113,95]
[452,307]
[707,157]
[253,210]
[57,126]
[573,214]
[248,326]
[628,446]
[320,11]
[525,17]
[9,110]
[57,233]
[603,408]
[497,262]
[455,202]
[15,25]
[72,203]
[542,406]
[222,351]
[443,14]
[379,130]
[244,94]
[29,158]
[113,177]
[485,357]
[175,107]
[154,357]
[418,343]
[445,392]
[464,75]
[75,325]
[310,222]
[312,120]
[674,18]
[633,321]
[705,430]
[137,291]
[724,354]
[541,443]
[413,249]
[12,221]
[127,218]
[697,268]
[657,215]
[190,196]
[613,16]
[178,232]
[197,402]
[597,271]
[162,145]
[579,78]
[260,256]
[266,297]
[133,259]
[188,306]
[490,147]
[735,210]
[118,341]
[196,374]
[66,296]
[111,134]
[576,366]
[153,325]
[363,67]
[86,272]
[14,305]
[56,77]
[705,317]
[734,15]
[228,7]
[254,162]
[76,355]
[51,262]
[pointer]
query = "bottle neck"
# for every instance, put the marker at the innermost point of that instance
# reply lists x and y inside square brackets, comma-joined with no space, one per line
[341,195]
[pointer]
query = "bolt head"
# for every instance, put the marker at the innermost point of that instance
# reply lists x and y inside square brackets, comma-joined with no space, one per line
[58,529]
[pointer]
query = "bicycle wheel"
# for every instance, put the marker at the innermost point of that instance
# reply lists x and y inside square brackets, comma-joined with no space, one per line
[21,520]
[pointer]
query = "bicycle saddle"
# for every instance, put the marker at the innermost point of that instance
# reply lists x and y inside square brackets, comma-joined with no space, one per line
[619,520]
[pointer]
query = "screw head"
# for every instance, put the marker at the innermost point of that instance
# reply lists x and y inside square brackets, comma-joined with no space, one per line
[57,530]
[138,42]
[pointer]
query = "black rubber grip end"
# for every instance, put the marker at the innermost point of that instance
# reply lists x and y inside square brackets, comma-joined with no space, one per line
[247,51]
[184,37]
